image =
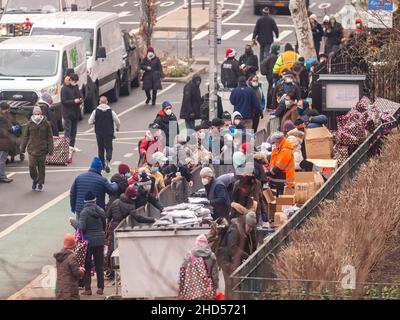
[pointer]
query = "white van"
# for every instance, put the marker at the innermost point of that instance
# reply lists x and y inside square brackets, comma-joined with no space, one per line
[104,48]
[18,16]
[32,66]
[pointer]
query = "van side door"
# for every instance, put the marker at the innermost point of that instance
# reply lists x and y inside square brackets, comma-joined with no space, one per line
[101,64]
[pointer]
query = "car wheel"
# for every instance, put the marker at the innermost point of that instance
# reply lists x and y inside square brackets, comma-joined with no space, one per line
[136,82]
[114,93]
[126,89]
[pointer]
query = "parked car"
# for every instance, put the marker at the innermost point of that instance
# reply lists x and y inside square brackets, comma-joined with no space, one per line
[33,66]
[273,6]
[18,16]
[101,33]
[131,73]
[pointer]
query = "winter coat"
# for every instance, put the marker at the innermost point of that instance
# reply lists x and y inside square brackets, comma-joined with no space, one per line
[51,118]
[6,142]
[210,261]
[264,30]
[150,143]
[282,88]
[90,181]
[230,73]
[38,139]
[285,60]
[122,183]
[245,101]
[205,107]
[68,275]
[317,32]
[144,198]
[290,114]
[261,99]
[123,207]
[152,78]
[191,102]
[317,121]
[267,65]
[103,122]
[334,35]
[218,196]
[251,61]
[70,110]
[248,187]
[236,246]
[92,223]
[163,120]
[296,138]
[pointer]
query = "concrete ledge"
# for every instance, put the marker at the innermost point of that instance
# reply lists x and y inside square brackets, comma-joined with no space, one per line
[196,69]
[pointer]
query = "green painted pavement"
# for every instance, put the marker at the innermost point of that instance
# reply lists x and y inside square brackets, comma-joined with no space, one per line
[26,250]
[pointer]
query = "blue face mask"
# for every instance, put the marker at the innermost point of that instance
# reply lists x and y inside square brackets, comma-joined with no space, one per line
[128,175]
[154,170]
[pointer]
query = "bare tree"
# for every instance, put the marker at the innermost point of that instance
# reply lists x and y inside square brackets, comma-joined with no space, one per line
[303,28]
[148,19]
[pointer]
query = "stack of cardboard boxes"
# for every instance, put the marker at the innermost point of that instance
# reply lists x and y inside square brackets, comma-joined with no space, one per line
[276,204]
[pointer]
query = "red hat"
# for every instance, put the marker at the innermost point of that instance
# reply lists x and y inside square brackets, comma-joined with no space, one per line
[245,147]
[69,241]
[230,53]
[358,20]
[123,168]
[131,192]
[150,49]
[219,296]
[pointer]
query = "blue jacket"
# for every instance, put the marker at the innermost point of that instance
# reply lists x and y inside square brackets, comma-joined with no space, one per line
[317,121]
[90,181]
[245,101]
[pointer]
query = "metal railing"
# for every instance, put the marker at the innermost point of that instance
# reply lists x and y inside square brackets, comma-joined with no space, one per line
[258,265]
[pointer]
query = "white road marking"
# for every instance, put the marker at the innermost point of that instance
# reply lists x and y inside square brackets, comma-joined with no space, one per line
[11,174]
[200,35]
[249,37]
[116,163]
[324,5]
[133,22]
[100,4]
[127,139]
[35,213]
[230,34]
[58,170]
[283,35]
[124,14]
[128,155]
[6,215]
[116,133]
[137,105]
[122,4]
[167,4]
[236,12]
[312,5]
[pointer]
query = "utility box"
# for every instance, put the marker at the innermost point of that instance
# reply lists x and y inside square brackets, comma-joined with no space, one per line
[150,258]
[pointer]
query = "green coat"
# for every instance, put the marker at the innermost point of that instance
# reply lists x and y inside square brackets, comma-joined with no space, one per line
[38,139]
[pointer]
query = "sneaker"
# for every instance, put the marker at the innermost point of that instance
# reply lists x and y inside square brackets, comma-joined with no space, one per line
[86,293]
[107,168]
[40,187]
[100,292]
[6,180]
[77,149]
[34,186]
[153,103]
[147,101]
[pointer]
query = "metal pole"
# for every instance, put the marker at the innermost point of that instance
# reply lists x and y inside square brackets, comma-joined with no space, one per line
[213,57]
[190,29]
[203,4]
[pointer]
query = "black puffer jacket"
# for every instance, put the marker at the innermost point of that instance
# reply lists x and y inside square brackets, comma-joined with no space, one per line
[251,61]
[230,73]
[152,78]
[191,102]
[92,223]
[122,183]
[70,110]
[123,207]
[265,29]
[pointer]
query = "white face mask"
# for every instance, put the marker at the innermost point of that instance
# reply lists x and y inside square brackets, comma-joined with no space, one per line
[168,112]
[36,117]
[287,104]
[254,84]
[202,135]
[205,181]
[236,121]
[150,55]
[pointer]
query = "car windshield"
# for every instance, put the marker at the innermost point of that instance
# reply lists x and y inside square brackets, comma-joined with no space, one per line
[28,63]
[36,6]
[86,34]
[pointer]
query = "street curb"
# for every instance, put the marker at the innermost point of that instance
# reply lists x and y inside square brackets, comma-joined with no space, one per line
[25,289]
[187,78]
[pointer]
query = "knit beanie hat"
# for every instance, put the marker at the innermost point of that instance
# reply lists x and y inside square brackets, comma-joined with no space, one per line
[89,196]
[37,109]
[131,192]
[230,53]
[226,115]
[276,137]
[288,125]
[69,241]
[201,240]
[144,179]
[251,219]
[166,104]
[123,168]
[207,172]
[96,164]
[150,49]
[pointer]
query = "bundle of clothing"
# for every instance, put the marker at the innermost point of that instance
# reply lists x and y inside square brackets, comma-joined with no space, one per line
[356,125]
[184,214]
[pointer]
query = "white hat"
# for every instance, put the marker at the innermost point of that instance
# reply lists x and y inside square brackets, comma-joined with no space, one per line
[239,158]
[276,137]
[206,172]
[326,18]
[313,16]
[159,157]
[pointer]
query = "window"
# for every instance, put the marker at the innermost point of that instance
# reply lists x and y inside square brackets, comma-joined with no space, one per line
[29,6]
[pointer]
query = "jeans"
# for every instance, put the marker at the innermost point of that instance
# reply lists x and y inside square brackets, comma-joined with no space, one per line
[148,95]
[3,159]
[104,143]
[70,129]
[264,50]
[98,256]
[37,168]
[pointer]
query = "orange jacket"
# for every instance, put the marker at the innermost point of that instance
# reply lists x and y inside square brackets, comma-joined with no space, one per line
[283,159]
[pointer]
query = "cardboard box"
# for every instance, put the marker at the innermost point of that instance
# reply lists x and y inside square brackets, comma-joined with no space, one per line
[288,191]
[286,200]
[306,185]
[269,196]
[319,143]
[271,210]
[325,165]
[280,218]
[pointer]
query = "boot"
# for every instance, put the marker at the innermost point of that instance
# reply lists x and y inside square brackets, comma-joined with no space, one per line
[100,292]
[86,293]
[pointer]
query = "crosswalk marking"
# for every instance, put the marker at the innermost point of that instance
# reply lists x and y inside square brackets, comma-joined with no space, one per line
[249,37]
[229,34]
[200,35]
[283,35]
[116,163]
[128,155]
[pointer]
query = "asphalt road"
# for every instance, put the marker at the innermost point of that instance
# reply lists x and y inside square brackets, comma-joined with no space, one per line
[32,223]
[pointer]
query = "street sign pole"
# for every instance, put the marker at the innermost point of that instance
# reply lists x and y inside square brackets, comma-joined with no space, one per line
[213,54]
[190,29]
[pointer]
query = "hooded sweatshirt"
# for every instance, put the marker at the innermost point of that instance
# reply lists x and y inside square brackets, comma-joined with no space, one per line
[104,119]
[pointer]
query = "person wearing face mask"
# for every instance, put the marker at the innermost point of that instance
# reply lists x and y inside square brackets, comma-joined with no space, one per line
[216,193]
[282,164]
[286,60]
[121,179]
[145,193]
[287,109]
[230,70]
[38,140]
[266,68]
[303,110]
[198,152]
[153,141]
[154,169]
[153,73]
[317,32]
[248,62]
[164,117]
[284,86]
[71,100]
[191,102]
[334,35]
[6,142]
[227,118]
[256,86]
[236,118]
